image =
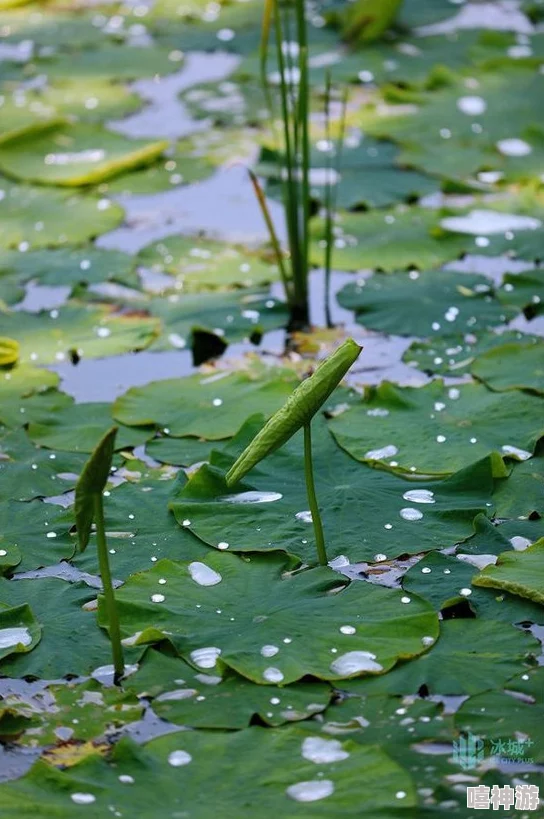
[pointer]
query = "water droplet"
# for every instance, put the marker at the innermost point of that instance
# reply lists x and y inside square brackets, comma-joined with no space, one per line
[10,637]
[419,496]
[348,629]
[323,751]
[305,517]
[158,598]
[217,402]
[410,514]
[522,454]
[83,798]
[269,651]
[405,599]
[205,657]
[426,570]
[179,758]
[353,662]
[514,147]
[186,522]
[427,641]
[380,557]
[203,574]
[472,106]
[51,534]
[465,592]
[273,675]
[126,779]
[400,794]
[252,497]
[223,545]
[311,791]
[379,454]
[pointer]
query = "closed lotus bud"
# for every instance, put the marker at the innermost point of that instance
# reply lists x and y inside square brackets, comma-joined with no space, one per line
[91,483]
[298,411]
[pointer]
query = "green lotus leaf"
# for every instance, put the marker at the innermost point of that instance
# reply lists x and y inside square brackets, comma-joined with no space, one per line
[524,290]
[298,410]
[20,632]
[453,355]
[437,429]
[33,217]
[205,406]
[470,657]
[80,330]
[80,427]
[513,366]
[367,513]
[288,628]
[121,61]
[520,494]
[21,388]
[520,573]
[187,697]
[178,451]
[199,263]
[141,530]
[437,303]
[71,266]
[272,773]
[75,155]
[34,534]
[28,471]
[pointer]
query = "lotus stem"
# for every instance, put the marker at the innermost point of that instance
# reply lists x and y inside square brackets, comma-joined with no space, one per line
[107,588]
[312,498]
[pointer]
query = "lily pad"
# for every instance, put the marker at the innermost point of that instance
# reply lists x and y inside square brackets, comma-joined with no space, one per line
[20,632]
[187,697]
[368,174]
[205,406]
[37,532]
[199,263]
[32,217]
[520,573]
[453,355]
[288,628]
[72,643]
[520,495]
[28,471]
[393,240]
[446,582]
[470,657]
[75,155]
[366,513]
[79,427]
[437,429]
[124,62]
[513,366]
[71,266]
[178,451]
[141,530]
[72,712]
[524,290]
[272,772]
[420,304]
[78,330]
[19,386]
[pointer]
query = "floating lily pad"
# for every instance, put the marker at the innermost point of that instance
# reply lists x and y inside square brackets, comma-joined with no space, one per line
[28,472]
[422,304]
[494,539]
[88,99]
[520,495]
[20,632]
[72,712]
[366,513]
[498,715]
[238,316]
[18,386]
[35,217]
[199,263]
[124,62]
[22,120]
[36,533]
[513,366]
[453,355]
[436,429]
[469,657]
[389,241]
[72,643]
[79,427]
[524,290]
[75,155]
[178,451]
[141,530]
[71,266]
[446,582]
[205,406]
[11,292]
[288,628]
[369,174]
[458,131]
[78,330]
[520,573]
[188,697]
[275,776]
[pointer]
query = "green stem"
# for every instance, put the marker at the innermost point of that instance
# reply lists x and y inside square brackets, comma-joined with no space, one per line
[312,499]
[107,589]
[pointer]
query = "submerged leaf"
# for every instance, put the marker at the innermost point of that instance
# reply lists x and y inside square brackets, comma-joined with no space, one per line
[91,483]
[298,410]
